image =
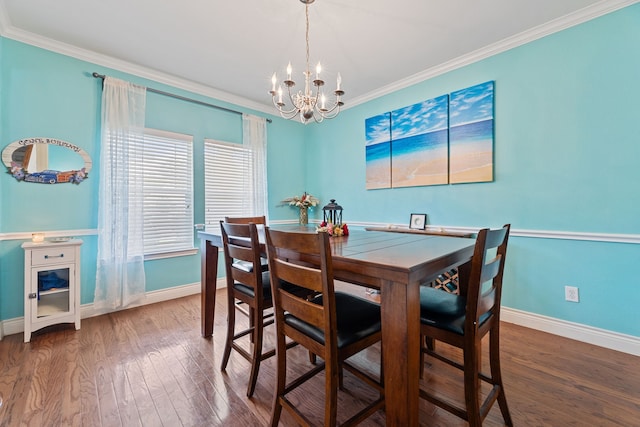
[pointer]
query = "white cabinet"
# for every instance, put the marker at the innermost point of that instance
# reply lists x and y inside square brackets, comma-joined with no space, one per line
[51,284]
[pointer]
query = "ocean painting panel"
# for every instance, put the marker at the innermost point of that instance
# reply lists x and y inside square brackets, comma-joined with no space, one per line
[471,124]
[378,151]
[419,144]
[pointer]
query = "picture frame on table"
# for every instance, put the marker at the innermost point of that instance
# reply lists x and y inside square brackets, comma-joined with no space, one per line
[418,221]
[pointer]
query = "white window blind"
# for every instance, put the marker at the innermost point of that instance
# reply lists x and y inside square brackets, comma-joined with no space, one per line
[167,191]
[229,182]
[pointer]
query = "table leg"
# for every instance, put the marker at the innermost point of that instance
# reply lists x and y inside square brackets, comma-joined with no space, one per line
[400,307]
[208,279]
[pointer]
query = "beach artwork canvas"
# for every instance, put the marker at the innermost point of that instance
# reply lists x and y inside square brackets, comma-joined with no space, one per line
[419,143]
[471,124]
[378,151]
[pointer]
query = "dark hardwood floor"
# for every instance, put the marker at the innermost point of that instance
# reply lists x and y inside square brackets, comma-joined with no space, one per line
[149,366]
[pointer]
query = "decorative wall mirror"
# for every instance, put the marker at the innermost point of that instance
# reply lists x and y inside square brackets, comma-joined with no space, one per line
[46,161]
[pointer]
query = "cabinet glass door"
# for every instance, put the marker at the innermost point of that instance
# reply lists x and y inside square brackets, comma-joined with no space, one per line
[53,296]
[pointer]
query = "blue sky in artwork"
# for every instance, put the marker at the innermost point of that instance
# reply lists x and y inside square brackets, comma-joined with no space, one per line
[377,129]
[421,118]
[472,104]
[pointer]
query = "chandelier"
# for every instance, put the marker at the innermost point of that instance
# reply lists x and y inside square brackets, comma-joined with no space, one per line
[307,105]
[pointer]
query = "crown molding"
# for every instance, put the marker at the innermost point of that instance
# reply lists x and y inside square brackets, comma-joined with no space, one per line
[594,11]
[127,67]
[4,18]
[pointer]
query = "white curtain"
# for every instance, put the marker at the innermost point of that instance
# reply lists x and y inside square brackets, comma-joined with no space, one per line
[254,136]
[120,277]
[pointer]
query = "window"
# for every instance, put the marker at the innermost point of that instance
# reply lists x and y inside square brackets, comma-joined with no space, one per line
[229,181]
[167,192]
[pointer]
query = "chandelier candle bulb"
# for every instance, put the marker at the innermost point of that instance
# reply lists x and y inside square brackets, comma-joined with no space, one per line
[338,82]
[274,80]
[318,69]
[289,71]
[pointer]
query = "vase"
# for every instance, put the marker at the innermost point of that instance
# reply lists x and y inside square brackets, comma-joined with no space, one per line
[304,215]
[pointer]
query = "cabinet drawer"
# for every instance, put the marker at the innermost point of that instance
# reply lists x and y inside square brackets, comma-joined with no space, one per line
[53,256]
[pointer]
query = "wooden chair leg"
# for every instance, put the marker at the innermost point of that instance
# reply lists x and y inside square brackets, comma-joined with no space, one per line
[281,380]
[472,386]
[252,323]
[257,351]
[496,376]
[426,343]
[231,326]
[333,380]
[423,341]
[381,365]
[430,343]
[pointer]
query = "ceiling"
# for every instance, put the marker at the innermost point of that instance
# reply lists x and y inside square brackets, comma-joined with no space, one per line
[229,49]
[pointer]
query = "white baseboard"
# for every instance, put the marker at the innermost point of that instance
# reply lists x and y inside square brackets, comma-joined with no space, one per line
[16,325]
[576,331]
[600,337]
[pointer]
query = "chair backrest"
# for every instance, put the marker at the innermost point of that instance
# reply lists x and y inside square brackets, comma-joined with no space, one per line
[246,220]
[303,259]
[484,289]
[242,255]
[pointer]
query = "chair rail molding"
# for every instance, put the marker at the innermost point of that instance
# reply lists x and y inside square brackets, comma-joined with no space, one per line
[26,235]
[539,234]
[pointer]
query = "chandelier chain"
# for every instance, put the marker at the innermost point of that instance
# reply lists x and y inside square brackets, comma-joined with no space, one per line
[306,8]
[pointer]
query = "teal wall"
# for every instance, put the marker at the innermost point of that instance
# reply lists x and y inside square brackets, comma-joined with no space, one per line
[45,94]
[567,149]
[566,154]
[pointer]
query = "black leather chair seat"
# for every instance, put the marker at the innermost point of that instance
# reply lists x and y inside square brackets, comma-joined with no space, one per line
[266,288]
[248,266]
[356,319]
[247,290]
[444,310]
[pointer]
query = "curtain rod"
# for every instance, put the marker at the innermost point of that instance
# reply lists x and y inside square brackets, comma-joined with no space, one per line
[182,98]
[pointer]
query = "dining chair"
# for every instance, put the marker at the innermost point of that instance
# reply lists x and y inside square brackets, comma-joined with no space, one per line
[246,219]
[260,221]
[463,320]
[333,325]
[248,283]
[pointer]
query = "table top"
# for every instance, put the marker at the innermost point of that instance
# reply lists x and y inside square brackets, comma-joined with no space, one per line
[379,255]
[436,232]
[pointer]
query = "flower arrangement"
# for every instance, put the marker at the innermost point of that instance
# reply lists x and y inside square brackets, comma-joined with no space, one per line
[304,201]
[333,230]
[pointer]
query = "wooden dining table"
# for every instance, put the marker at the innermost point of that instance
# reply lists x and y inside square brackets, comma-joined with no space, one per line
[394,263]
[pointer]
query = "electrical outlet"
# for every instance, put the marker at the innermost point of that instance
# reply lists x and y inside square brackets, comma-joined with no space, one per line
[571,293]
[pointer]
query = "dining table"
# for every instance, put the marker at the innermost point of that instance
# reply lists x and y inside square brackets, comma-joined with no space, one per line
[396,264]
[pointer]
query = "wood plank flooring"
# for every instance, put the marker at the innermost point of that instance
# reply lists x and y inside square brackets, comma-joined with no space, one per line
[149,366]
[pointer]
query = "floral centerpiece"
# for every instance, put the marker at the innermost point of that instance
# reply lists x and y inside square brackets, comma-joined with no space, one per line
[303,203]
[333,230]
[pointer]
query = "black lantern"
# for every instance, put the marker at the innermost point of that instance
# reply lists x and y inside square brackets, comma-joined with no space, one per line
[332,213]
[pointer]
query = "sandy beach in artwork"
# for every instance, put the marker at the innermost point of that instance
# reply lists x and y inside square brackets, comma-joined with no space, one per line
[424,168]
[471,162]
[378,174]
